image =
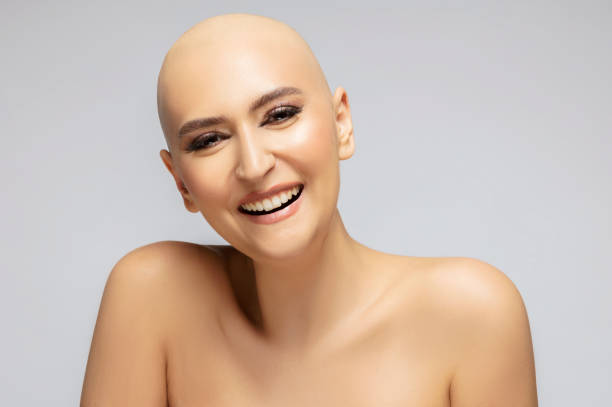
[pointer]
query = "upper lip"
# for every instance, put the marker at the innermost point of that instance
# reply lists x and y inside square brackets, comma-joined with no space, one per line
[258,196]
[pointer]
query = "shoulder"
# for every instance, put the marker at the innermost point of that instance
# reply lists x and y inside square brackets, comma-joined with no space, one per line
[488,329]
[473,295]
[472,284]
[455,295]
[166,264]
[163,277]
[146,294]
[159,256]
[128,354]
[461,283]
[153,281]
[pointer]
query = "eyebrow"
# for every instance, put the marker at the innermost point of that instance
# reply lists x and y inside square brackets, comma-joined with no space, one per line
[264,99]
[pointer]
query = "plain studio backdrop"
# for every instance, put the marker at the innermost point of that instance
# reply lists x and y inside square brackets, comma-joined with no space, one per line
[483,129]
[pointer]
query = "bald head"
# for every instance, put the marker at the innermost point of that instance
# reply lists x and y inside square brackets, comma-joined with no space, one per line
[220,59]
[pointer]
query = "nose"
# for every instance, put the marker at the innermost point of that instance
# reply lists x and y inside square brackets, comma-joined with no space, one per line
[254,159]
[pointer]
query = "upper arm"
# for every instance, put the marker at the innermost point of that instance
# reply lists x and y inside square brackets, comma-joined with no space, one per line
[495,362]
[126,365]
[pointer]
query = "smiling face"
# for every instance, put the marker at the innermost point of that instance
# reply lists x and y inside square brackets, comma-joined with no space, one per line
[246,110]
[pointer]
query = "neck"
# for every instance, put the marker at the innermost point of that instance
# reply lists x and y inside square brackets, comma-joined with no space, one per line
[305,298]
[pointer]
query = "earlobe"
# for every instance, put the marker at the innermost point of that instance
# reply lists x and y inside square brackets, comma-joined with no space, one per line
[167,160]
[344,124]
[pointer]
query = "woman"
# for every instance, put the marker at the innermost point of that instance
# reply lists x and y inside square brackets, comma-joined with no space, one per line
[294,312]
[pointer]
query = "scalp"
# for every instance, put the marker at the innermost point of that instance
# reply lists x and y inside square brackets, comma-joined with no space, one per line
[226,38]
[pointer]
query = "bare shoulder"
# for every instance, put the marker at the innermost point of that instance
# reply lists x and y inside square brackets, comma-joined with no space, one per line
[144,292]
[175,279]
[471,284]
[488,332]
[165,256]
[461,283]
[172,267]
[471,294]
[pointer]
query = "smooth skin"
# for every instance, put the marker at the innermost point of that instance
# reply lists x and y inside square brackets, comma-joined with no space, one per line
[294,313]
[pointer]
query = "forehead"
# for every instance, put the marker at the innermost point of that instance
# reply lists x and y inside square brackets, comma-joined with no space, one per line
[217,77]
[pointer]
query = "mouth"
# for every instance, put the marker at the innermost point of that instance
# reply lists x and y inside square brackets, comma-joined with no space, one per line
[272,204]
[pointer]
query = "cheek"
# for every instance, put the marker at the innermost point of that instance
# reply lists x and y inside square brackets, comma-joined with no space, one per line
[314,144]
[203,177]
[316,149]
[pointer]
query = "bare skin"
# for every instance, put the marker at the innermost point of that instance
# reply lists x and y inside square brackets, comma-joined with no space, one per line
[294,312]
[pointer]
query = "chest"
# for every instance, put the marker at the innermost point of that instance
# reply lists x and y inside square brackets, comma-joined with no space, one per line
[209,369]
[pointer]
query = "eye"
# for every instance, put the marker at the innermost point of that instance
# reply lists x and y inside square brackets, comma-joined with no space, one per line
[205,141]
[281,113]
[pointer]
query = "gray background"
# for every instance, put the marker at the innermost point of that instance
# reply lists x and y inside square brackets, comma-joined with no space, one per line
[482,130]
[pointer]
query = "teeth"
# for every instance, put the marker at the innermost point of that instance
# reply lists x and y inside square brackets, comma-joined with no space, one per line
[267,204]
[272,202]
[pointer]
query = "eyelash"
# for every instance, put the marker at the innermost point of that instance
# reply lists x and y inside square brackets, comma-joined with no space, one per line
[201,142]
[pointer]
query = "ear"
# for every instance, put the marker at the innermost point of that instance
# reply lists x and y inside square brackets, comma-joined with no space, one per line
[167,159]
[344,124]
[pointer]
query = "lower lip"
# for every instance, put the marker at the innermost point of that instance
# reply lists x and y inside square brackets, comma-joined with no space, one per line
[278,215]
